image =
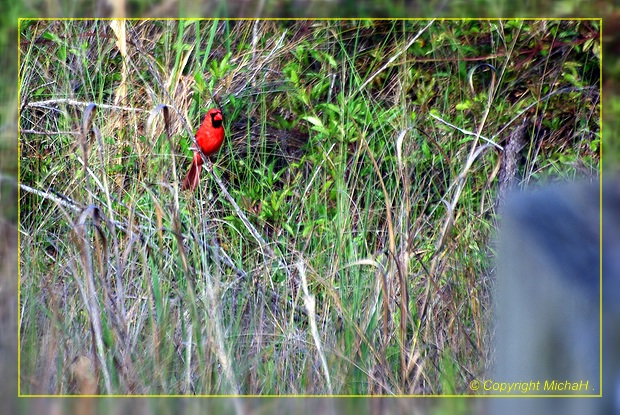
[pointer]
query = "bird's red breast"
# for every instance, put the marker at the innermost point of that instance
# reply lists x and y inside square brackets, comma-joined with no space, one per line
[210,135]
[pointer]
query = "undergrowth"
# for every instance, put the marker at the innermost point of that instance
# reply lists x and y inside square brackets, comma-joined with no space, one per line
[342,240]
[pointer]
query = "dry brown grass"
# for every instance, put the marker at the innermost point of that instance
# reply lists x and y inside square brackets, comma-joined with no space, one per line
[387,206]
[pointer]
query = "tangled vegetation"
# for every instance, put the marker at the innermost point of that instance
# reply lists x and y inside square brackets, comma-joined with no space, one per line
[342,242]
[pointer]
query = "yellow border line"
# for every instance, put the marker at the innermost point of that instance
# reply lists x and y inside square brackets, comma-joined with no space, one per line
[600,394]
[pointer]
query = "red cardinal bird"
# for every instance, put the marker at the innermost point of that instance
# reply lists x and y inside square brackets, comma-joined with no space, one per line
[209,137]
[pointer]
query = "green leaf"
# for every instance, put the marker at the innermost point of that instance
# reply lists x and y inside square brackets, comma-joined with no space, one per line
[461,106]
